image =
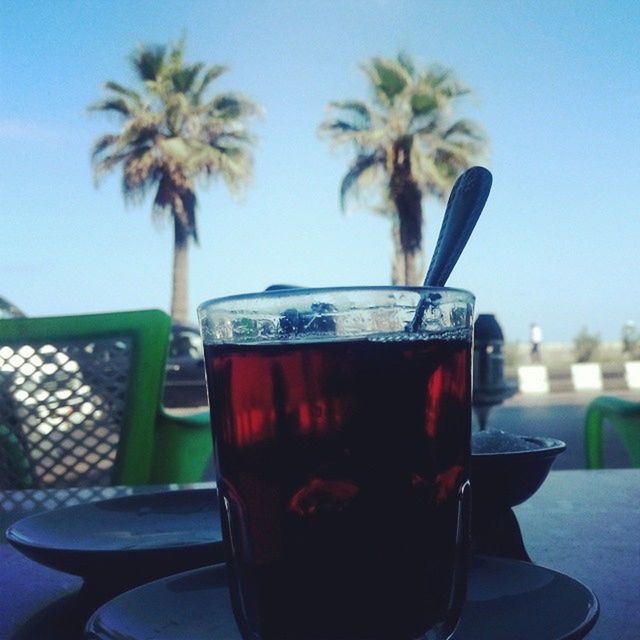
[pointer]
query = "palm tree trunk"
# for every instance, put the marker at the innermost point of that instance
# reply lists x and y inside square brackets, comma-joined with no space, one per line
[180,282]
[407,197]
[414,268]
[407,267]
[397,259]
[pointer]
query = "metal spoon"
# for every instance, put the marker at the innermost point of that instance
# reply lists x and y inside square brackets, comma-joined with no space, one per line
[467,199]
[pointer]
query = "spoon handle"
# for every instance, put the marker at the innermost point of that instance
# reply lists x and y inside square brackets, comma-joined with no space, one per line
[465,204]
[467,199]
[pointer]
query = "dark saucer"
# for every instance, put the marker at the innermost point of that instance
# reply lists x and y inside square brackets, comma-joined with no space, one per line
[507,599]
[119,543]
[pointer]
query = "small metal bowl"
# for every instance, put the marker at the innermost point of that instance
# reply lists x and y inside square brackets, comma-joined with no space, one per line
[508,478]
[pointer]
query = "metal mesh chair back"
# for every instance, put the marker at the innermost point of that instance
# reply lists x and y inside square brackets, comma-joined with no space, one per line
[79,396]
[62,409]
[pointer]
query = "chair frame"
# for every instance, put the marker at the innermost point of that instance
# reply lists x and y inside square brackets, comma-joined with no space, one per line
[154,447]
[624,415]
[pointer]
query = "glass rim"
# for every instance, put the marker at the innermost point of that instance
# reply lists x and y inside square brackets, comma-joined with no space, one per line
[301,291]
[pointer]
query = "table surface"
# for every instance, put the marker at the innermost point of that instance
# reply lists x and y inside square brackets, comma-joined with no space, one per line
[582,523]
[586,524]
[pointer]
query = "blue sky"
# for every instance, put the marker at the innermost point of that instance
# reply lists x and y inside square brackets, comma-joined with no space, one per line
[557,87]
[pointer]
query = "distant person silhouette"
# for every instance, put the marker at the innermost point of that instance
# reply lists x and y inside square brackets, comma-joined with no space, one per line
[535,339]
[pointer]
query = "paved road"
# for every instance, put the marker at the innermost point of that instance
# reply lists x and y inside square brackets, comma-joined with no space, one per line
[559,416]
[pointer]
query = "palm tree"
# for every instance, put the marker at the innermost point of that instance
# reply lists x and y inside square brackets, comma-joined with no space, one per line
[171,134]
[407,147]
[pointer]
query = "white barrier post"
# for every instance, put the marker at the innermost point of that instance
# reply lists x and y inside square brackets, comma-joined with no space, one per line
[586,376]
[533,379]
[632,374]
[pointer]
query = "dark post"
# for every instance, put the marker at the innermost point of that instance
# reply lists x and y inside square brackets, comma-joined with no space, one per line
[489,385]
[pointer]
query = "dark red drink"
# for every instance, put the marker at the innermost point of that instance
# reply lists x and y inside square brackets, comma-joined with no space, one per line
[340,467]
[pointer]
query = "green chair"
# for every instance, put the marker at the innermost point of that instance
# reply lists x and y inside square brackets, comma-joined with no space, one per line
[624,415]
[81,404]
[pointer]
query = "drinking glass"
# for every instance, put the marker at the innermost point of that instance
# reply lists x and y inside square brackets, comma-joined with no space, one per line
[342,439]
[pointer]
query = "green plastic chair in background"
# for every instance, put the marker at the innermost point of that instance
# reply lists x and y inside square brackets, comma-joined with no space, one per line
[81,404]
[624,415]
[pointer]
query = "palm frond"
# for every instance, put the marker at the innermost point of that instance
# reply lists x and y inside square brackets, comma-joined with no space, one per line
[232,163]
[354,122]
[340,126]
[141,129]
[423,102]
[353,116]
[175,148]
[464,148]
[103,143]
[140,172]
[148,60]
[117,105]
[226,107]
[176,55]
[176,113]
[452,161]
[232,106]
[426,124]
[367,139]
[388,77]
[122,90]
[428,174]
[406,62]
[361,164]
[356,108]
[443,81]
[111,149]
[236,170]
[455,90]
[465,129]
[231,141]
[106,163]
[183,78]
[211,74]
